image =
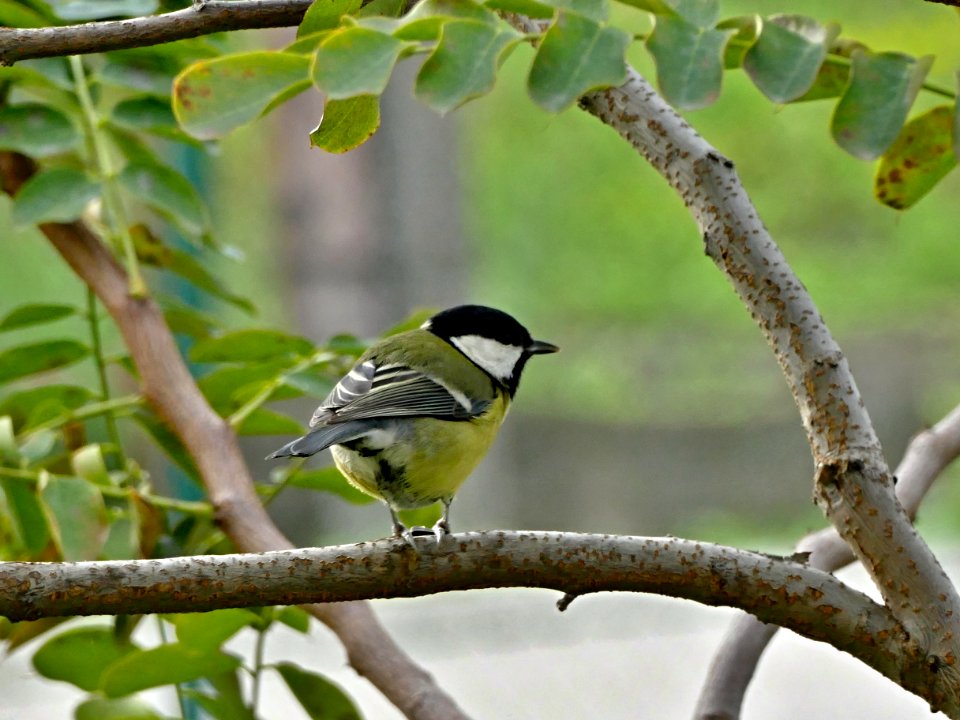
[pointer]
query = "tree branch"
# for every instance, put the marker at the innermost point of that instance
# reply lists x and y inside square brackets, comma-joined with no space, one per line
[215,16]
[852,485]
[927,456]
[781,590]
[173,394]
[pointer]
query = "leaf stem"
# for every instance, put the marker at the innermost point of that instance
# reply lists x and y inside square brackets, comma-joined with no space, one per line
[112,407]
[111,196]
[187,507]
[96,340]
[269,388]
[257,670]
[181,700]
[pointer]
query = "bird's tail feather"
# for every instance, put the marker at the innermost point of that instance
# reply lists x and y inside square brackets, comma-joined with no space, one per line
[320,439]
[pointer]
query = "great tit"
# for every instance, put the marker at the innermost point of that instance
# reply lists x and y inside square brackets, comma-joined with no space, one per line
[419,410]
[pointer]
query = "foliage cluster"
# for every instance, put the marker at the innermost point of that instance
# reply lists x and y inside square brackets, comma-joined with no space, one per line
[101,129]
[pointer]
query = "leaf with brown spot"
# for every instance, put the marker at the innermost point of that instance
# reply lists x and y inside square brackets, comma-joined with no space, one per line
[919,158]
[213,97]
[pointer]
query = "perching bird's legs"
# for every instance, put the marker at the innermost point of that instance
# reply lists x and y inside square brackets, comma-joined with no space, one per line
[440,528]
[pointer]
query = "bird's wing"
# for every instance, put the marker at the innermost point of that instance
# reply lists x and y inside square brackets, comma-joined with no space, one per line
[370,391]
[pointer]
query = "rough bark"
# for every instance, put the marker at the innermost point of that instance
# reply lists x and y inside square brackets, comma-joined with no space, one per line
[852,483]
[781,590]
[733,666]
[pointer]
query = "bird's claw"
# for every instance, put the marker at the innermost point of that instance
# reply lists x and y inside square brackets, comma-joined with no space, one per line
[441,529]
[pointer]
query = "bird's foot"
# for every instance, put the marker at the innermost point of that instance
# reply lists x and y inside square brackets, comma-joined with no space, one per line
[198,5]
[441,528]
[409,535]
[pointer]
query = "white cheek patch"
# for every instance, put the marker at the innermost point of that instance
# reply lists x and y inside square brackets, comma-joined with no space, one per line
[496,358]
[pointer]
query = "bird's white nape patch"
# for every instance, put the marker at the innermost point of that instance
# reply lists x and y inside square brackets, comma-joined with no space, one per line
[496,358]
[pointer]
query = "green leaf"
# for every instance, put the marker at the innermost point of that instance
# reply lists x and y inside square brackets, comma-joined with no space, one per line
[428,17]
[123,533]
[329,480]
[87,462]
[295,618]
[79,656]
[189,321]
[355,61]
[745,30]
[322,699]
[35,314]
[147,113]
[919,158]
[597,10]
[24,360]
[151,251]
[144,70]
[36,130]
[168,442]
[875,105]
[228,704]
[8,440]
[56,195]
[213,97]
[575,56]
[78,518]
[250,346]
[269,422]
[313,382]
[208,631]
[689,61]
[464,64]
[382,8]
[785,59]
[325,15]
[347,124]
[129,708]
[100,9]
[29,518]
[164,665]
[35,405]
[702,13]
[831,81]
[169,193]
[228,387]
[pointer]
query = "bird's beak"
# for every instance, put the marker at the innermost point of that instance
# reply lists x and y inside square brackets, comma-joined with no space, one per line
[539,347]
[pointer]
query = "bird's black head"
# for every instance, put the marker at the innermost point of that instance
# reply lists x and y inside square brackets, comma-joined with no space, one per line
[493,340]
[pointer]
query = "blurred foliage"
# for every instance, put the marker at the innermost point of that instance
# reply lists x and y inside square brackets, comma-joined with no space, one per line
[555,198]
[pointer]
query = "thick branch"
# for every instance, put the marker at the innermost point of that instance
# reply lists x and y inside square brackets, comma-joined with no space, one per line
[813,603]
[174,395]
[853,484]
[215,16]
[928,454]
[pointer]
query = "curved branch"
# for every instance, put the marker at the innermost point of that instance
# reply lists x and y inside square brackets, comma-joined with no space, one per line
[733,666]
[853,485]
[213,16]
[781,590]
[172,392]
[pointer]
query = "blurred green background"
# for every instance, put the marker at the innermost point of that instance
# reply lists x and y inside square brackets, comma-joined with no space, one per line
[665,412]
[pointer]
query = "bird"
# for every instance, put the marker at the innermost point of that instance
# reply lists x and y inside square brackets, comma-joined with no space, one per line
[419,410]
